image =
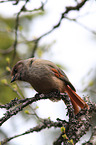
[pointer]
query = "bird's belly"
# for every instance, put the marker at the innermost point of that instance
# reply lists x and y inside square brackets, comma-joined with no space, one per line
[47,85]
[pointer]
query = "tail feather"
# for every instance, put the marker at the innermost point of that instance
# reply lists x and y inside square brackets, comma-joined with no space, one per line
[75,99]
[75,106]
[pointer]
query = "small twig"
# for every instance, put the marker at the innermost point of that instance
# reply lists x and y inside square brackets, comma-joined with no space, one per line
[14,90]
[16,1]
[10,49]
[41,8]
[47,123]
[16,27]
[92,140]
[82,25]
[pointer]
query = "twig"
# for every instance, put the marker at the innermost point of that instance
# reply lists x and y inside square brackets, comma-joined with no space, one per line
[16,1]
[10,49]
[16,27]
[47,123]
[82,25]
[92,140]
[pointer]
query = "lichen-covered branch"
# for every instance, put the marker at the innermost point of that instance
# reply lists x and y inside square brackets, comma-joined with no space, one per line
[92,140]
[25,102]
[74,129]
[46,123]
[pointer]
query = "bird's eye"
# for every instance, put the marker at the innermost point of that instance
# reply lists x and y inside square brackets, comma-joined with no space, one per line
[15,70]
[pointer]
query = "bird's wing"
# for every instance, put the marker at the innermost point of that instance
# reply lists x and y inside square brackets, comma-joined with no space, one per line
[61,75]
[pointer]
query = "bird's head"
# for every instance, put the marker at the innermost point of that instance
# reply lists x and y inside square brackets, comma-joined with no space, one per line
[17,71]
[20,70]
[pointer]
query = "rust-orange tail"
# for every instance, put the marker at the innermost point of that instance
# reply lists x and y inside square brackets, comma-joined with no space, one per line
[76,100]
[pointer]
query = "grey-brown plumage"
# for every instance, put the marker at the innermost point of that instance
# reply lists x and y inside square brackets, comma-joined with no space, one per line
[45,77]
[38,73]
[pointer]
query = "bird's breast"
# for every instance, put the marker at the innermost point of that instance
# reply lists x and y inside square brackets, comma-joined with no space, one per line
[46,83]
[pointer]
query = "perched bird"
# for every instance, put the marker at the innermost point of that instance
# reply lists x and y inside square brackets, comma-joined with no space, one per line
[45,77]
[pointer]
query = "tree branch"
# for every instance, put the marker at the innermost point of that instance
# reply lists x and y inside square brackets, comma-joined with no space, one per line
[47,123]
[75,128]
[16,27]
[82,25]
[92,140]
[25,102]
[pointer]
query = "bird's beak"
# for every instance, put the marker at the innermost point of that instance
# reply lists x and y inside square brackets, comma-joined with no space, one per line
[13,79]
